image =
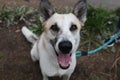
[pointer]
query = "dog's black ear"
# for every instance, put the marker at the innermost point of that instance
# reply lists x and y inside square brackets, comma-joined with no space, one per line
[80,10]
[46,10]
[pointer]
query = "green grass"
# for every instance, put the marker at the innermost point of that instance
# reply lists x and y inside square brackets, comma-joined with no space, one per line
[10,16]
[37,27]
[100,25]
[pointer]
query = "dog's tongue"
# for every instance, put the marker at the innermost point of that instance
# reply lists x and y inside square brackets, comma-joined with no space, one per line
[64,60]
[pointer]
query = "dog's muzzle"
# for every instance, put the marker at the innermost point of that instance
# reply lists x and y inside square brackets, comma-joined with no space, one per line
[64,53]
[64,56]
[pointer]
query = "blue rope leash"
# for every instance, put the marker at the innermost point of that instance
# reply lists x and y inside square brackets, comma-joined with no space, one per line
[82,53]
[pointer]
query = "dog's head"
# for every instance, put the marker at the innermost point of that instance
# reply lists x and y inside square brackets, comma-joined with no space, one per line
[63,30]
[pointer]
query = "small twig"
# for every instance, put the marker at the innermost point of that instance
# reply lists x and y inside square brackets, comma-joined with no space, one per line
[115,63]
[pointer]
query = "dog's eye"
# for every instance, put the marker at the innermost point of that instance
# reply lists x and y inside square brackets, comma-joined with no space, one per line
[73,27]
[54,28]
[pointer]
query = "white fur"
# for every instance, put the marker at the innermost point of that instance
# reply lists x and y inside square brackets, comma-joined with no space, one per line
[31,37]
[44,52]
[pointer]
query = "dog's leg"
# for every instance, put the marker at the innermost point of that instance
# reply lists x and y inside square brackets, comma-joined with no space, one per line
[34,53]
[45,77]
[31,37]
[66,77]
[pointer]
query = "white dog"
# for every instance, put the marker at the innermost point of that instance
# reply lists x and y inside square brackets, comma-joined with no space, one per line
[56,47]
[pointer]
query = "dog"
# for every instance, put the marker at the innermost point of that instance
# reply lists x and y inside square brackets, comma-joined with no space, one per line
[56,48]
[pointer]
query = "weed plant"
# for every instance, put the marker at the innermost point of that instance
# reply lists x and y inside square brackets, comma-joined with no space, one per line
[100,25]
[10,16]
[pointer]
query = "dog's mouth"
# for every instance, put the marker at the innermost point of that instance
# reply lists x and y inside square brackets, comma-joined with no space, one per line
[64,60]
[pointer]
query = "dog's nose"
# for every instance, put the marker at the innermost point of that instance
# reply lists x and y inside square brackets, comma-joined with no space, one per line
[65,46]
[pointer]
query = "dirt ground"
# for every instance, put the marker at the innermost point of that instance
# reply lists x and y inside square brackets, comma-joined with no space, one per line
[16,63]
